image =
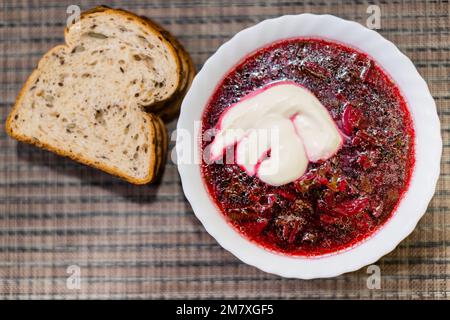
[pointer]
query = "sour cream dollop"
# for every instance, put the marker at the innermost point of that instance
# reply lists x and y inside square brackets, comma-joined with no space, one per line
[278,129]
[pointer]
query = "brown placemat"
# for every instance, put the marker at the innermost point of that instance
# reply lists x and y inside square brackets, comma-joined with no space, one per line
[145,242]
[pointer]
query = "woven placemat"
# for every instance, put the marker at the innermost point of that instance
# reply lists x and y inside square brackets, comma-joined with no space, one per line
[145,242]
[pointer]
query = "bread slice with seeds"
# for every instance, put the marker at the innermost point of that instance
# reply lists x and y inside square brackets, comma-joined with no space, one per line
[86,98]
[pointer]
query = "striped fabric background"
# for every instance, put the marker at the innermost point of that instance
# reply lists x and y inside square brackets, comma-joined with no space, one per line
[145,242]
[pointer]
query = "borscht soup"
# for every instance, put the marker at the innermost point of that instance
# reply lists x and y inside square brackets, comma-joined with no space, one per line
[344,154]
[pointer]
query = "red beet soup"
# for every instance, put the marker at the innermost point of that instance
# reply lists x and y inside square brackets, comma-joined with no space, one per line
[338,202]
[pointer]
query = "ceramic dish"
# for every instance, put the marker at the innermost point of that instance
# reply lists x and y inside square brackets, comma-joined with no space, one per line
[427,144]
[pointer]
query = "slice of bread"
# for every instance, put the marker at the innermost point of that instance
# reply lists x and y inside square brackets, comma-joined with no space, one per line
[86,98]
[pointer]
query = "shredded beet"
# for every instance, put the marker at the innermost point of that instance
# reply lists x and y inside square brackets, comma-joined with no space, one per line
[338,202]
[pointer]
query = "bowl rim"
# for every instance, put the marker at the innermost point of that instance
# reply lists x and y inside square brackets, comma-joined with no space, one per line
[428,144]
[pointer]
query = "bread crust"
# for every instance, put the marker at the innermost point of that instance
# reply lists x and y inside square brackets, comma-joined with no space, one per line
[161,145]
[79,157]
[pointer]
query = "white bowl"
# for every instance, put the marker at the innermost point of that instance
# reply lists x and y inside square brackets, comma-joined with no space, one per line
[428,144]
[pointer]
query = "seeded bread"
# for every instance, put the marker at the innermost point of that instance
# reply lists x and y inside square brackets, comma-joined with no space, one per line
[86,99]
